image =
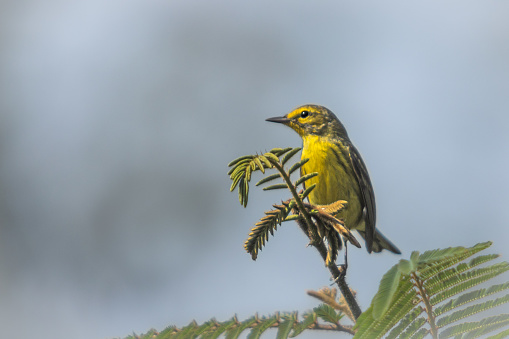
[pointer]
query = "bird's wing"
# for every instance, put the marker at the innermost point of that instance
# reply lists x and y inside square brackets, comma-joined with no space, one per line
[367,194]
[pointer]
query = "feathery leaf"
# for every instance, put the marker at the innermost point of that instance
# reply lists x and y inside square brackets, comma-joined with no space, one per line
[297,165]
[289,155]
[235,161]
[309,320]
[327,313]
[477,328]
[386,290]
[286,326]
[307,191]
[275,187]
[304,178]
[269,178]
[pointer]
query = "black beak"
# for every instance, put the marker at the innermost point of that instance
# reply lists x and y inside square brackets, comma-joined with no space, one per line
[281,120]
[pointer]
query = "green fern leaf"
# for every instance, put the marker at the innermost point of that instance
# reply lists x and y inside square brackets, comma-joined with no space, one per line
[265,161]
[221,328]
[168,332]
[327,313]
[280,151]
[260,232]
[289,155]
[268,178]
[307,191]
[428,265]
[257,161]
[189,330]
[305,177]
[386,290]
[403,302]
[405,267]
[420,334]
[309,320]
[406,322]
[501,335]
[439,277]
[238,160]
[441,296]
[414,327]
[468,311]
[239,165]
[440,254]
[260,328]
[286,326]
[206,327]
[271,157]
[472,275]
[275,187]
[235,181]
[234,333]
[469,297]
[477,328]
[297,165]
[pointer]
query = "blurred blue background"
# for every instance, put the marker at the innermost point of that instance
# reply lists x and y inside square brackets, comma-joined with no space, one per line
[117,120]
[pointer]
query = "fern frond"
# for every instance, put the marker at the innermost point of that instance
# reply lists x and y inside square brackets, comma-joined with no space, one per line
[435,277]
[269,178]
[414,327]
[286,326]
[452,252]
[432,262]
[206,327]
[289,155]
[501,335]
[275,187]
[441,296]
[307,191]
[472,276]
[221,328]
[304,178]
[280,151]
[262,326]
[403,301]
[260,232]
[406,323]
[420,334]
[386,291]
[297,165]
[471,310]
[477,328]
[235,332]
[327,313]
[469,297]
[309,320]
[439,277]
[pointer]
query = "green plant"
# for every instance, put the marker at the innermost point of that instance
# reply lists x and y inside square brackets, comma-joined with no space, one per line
[431,294]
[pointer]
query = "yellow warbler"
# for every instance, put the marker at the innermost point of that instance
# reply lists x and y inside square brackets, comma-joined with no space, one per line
[342,174]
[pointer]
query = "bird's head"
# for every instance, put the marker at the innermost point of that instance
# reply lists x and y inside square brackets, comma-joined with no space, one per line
[312,120]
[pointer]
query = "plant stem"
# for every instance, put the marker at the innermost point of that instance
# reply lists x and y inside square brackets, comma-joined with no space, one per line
[429,310]
[317,242]
[340,280]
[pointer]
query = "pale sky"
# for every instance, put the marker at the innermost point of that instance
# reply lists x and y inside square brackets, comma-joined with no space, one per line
[118,118]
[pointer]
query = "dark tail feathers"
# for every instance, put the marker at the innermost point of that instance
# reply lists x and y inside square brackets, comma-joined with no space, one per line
[380,243]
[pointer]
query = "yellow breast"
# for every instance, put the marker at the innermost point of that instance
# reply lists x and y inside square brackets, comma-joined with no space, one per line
[336,179]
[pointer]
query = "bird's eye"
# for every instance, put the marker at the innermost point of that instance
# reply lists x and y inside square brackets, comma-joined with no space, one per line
[304,114]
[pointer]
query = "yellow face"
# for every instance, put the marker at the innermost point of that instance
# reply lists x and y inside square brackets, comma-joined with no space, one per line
[312,120]
[304,117]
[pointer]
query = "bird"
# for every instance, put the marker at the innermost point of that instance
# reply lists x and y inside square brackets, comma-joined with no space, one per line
[342,174]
